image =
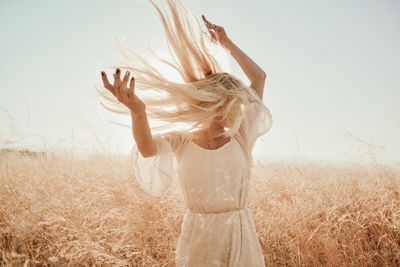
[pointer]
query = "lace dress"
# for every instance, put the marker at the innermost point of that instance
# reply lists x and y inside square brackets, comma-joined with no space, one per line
[217,229]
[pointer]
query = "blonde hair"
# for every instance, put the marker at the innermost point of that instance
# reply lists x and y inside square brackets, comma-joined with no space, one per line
[208,93]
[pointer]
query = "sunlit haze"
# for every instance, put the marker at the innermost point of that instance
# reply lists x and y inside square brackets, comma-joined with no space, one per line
[333,84]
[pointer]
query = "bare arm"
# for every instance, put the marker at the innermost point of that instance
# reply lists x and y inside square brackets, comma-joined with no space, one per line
[142,134]
[140,125]
[255,74]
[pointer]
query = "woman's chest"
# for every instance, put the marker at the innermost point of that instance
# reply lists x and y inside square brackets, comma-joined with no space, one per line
[198,162]
[213,173]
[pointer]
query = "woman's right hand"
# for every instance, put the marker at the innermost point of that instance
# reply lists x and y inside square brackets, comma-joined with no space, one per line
[217,32]
[121,91]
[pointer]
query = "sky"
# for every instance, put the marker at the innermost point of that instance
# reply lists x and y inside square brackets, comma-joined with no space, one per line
[333,84]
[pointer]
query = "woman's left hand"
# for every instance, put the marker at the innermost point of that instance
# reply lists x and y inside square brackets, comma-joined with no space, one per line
[218,33]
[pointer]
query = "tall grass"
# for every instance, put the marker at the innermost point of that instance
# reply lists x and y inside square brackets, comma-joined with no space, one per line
[57,210]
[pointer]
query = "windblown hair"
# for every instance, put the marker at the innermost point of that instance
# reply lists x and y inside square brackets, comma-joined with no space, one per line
[207,92]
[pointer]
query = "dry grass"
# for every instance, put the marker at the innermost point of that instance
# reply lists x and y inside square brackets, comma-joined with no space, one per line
[58,211]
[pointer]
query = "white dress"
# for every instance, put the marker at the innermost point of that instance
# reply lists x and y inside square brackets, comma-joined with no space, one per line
[217,229]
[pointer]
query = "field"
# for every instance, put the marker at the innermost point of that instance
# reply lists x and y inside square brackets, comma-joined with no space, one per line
[57,210]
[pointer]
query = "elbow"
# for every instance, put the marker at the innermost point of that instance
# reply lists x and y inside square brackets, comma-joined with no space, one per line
[147,153]
[262,75]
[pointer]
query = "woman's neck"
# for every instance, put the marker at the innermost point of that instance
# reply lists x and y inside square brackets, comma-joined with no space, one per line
[213,130]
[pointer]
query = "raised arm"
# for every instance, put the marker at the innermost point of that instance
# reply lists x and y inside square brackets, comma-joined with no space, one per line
[140,126]
[255,74]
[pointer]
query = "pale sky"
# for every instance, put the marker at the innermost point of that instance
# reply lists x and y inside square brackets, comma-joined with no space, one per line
[333,68]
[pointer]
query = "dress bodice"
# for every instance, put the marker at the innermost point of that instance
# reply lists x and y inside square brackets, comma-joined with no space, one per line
[214,176]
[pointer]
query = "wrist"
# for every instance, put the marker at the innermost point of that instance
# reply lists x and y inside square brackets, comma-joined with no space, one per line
[138,112]
[228,44]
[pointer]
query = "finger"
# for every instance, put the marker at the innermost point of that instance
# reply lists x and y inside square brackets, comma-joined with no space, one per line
[125,79]
[116,88]
[212,28]
[209,28]
[117,78]
[123,88]
[132,87]
[106,83]
[205,20]
[208,24]
[124,84]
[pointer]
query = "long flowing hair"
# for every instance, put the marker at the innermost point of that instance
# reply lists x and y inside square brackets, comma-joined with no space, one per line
[207,92]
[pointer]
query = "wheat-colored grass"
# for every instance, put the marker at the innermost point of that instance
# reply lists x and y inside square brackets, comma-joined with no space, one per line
[59,211]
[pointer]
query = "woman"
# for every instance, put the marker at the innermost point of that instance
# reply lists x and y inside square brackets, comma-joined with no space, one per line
[213,162]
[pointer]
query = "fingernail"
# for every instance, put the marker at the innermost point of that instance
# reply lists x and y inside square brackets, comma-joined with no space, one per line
[117,70]
[102,73]
[132,78]
[127,73]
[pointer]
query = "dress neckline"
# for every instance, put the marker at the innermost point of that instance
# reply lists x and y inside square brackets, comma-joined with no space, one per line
[211,150]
